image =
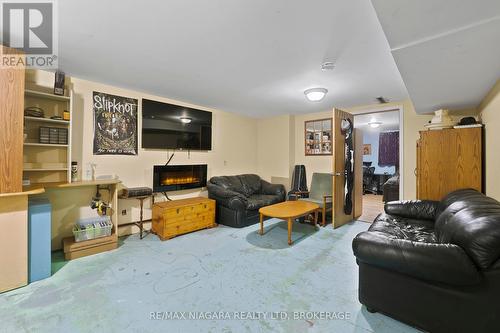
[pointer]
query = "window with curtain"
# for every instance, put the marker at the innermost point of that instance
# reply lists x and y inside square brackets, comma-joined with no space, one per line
[388,149]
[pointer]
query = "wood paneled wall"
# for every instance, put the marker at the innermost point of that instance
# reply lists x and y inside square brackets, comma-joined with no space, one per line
[11,122]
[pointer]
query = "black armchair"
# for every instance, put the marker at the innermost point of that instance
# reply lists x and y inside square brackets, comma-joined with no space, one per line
[368,178]
[240,197]
[390,189]
[434,265]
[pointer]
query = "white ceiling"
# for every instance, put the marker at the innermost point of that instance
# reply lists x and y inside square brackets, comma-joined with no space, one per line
[447,51]
[389,120]
[251,57]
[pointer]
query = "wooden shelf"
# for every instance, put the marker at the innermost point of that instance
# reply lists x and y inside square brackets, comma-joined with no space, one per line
[24,192]
[90,183]
[74,250]
[49,185]
[46,120]
[34,93]
[44,169]
[34,144]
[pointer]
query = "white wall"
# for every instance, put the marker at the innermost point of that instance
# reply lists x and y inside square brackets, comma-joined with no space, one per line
[490,115]
[273,147]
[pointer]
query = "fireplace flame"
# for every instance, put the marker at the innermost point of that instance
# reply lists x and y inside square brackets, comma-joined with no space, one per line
[179,180]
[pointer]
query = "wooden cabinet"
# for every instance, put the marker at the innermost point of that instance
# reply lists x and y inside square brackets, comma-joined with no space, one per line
[173,218]
[11,120]
[448,160]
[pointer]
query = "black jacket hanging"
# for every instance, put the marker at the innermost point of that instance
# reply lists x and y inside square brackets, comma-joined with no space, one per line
[347,130]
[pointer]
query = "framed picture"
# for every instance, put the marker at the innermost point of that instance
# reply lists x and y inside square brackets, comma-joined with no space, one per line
[318,137]
[367,149]
[115,124]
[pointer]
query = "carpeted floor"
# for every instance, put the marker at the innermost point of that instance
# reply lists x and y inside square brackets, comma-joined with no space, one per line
[234,272]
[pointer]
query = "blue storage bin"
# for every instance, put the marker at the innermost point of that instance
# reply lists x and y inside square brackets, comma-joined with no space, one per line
[39,238]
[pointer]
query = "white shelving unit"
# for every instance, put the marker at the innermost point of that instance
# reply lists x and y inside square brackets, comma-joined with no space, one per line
[45,95]
[44,162]
[46,120]
[34,144]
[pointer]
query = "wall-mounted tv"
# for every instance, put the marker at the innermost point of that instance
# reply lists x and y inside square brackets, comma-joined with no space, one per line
[169,126]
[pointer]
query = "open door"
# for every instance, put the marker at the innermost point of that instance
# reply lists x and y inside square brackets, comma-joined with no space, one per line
[343,182]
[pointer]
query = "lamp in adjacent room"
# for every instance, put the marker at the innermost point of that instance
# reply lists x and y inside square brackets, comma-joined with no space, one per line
[375,124]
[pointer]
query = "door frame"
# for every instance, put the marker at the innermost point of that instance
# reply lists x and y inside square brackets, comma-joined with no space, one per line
[388,108]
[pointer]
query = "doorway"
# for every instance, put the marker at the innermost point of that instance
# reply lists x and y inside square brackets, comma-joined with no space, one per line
[381,132]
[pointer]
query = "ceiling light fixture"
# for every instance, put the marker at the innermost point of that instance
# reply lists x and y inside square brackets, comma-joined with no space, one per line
[315,94]
[375,124]
[185,120]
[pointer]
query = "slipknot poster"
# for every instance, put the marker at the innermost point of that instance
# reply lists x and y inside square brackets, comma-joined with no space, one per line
[115,124]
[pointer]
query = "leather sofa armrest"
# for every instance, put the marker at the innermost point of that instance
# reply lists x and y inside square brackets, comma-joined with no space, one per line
[227,198]
[413,209]
[272,189]
[445,263]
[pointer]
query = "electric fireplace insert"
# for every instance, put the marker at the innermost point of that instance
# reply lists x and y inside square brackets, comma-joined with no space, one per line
[179,177]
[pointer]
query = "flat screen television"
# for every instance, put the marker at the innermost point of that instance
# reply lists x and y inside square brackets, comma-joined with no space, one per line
[169,126]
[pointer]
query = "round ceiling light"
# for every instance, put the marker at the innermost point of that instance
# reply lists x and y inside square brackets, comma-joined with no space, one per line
[375,124]
[185,120]
[315,94]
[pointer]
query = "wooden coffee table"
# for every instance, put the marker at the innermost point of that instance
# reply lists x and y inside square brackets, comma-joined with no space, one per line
[288,210]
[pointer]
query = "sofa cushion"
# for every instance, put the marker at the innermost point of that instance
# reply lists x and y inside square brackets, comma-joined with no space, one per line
[250,183]
[413,209]
[231,183]
[471,220]
[445,263]
[257,201]
[404,228]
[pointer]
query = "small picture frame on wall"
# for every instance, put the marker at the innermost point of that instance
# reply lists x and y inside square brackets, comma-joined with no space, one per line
[367,149]
[318,137]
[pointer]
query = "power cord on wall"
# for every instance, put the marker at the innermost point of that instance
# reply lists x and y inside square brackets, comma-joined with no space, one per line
[170,158]
[166,196]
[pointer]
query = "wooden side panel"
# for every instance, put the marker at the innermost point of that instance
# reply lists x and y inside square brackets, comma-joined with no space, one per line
[13,242]
[448,160]
[339,217]
[11,120]
[157,220]
[467,152]
[358,173]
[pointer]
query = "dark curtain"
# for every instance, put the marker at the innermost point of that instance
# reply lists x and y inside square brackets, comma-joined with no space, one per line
[388,149]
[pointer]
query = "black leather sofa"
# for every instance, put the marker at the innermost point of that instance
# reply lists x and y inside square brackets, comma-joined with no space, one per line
[240,197]
[434,265]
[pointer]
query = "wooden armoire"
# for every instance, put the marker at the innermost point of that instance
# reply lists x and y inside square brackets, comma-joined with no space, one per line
[448,160]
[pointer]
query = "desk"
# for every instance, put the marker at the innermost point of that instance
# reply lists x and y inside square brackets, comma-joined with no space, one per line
[72,249]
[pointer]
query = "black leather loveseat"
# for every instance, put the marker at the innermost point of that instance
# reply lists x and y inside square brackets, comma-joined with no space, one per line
[240,197]
[434,265]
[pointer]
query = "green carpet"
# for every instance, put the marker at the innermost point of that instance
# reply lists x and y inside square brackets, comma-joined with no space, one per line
[228,280]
